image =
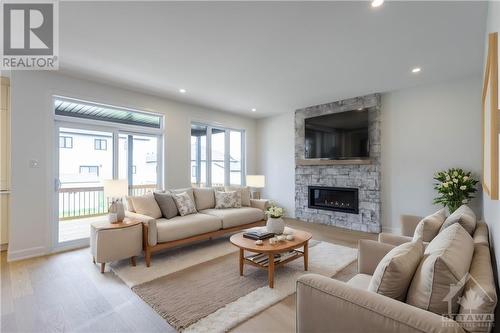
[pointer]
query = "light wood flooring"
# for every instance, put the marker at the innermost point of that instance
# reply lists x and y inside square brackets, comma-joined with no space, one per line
[66,293]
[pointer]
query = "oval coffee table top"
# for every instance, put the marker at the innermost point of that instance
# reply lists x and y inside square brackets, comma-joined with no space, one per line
[300,237]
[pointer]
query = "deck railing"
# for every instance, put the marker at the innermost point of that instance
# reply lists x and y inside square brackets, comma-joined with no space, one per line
[78,202]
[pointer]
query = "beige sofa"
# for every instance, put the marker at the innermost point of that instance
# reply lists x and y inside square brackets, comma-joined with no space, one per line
[328,305]
[208,222]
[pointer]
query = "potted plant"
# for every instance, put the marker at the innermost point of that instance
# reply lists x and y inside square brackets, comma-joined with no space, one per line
[455,187]
[275,223]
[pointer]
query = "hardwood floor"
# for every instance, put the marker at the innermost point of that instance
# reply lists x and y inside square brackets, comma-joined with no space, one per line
[66,292]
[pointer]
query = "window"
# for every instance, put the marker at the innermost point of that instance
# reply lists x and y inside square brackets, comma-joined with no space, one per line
[65,142]
[92,170]
[100,144]
[217,156]
[128,144]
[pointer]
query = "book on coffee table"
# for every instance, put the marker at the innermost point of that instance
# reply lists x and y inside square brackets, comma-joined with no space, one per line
[258,234]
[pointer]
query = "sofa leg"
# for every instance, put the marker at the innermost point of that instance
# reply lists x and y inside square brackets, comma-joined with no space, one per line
[148,257]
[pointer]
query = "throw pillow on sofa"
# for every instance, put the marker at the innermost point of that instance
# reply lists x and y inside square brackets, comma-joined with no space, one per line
[246,194]
[463,216]
[429,226]
[227,199]
[167,204]
[188,190]
[146,205]
[184,203]
[204,198]
[446,261]
[394,273]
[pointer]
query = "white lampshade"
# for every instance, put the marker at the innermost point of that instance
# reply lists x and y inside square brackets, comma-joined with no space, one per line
[257,181]
[115,188]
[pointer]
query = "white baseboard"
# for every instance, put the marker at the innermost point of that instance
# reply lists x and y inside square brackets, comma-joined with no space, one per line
[27,253]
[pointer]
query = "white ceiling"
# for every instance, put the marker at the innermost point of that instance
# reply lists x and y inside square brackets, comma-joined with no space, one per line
[274,56]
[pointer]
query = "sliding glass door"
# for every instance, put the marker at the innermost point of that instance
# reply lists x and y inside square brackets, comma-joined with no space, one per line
[217,156]
[85,159]
[138,162]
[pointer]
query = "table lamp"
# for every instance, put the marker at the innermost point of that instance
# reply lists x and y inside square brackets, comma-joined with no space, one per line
[256,182]
[115,190]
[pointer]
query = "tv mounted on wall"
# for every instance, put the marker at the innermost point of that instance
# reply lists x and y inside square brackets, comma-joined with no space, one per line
[338,136]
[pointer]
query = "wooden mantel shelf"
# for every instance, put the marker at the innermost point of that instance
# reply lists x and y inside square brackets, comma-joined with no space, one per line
[332,162]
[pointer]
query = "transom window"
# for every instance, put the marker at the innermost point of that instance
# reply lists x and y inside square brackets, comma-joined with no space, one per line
[217,155]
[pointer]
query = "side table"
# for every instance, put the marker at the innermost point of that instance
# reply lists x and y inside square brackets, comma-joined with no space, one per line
[115,241]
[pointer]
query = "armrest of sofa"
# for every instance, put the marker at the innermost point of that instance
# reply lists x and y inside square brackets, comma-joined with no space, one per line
[328,305]
[261,204]
[393,239]
[409,224]
[151,224]
[369,255]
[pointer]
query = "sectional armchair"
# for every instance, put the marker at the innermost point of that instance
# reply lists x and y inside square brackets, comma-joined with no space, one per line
[329,305]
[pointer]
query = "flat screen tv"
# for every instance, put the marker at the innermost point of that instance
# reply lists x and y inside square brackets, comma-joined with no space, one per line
[337,136]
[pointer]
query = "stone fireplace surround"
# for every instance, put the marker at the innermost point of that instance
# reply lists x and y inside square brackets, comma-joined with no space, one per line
[356,174]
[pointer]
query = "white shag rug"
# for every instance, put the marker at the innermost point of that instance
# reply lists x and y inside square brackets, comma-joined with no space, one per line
[171,261]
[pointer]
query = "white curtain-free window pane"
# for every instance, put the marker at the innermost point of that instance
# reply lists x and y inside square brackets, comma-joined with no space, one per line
[198,155]
[235,157]
[145,160]
[218,157]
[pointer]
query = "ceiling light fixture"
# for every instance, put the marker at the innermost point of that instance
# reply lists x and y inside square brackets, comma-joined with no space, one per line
[182,91]
[254,109]
[416,70]
[377,3]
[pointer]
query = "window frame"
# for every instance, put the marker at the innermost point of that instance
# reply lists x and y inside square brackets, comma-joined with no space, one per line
[98,144]
[88,168]
[64,145]
[227,146]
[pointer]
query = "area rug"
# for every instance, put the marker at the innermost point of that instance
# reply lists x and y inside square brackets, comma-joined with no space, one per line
[212,297]
[171,261]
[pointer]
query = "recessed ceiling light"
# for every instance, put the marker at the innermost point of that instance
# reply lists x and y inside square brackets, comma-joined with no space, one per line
[416,70]
[182,91]
[377,3]
[254,109]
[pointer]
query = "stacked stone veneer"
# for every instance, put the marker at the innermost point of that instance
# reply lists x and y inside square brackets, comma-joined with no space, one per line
[365,177]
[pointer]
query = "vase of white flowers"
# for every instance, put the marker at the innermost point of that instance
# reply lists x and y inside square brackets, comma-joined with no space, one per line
[275,223]
[455,187]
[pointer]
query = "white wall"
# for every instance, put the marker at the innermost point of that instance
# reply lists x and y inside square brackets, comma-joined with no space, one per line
[33,138]
[276,159]
[424,129]
[491,208]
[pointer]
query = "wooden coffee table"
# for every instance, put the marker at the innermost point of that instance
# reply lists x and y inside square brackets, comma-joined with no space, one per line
[301,239]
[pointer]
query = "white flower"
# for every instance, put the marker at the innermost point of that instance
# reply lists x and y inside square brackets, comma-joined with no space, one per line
[455,174]
[463,187]
[455,180]
[465,177]
[450,193]
[464,201]
[445,184]
[447,177]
